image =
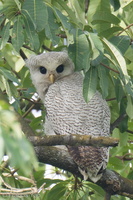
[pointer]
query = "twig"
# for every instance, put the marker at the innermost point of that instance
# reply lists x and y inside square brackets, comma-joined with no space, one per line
[110,68]
[32,101]
[129,131]
[15,191]
[125,158]
[20,178]
[22,54]
[125,29]
[32,106]
[46,48]
[62,35]
[112,99]
[117,122]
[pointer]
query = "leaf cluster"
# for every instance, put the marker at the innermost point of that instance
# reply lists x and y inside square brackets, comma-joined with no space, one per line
[98,35]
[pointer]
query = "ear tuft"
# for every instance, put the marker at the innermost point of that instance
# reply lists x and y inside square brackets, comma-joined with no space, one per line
[32,61]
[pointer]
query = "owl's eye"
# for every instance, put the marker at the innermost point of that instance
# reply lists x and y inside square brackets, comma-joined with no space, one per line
[60,68]
[43,70]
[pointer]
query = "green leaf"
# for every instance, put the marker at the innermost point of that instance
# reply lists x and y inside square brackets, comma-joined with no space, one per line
[104,16]
[12,57]
[116,55]
[79,12]
[52,27]
[116,163]
[57,191]
[97,49]
[10,8]
[2,18]
[102,74]
[18,149]
[129,53]
[90,84]
[8,75]
[7,87]
[115,4]
[118,89]
[69,11]
[5,35]
[123,138]
[129,87]
[80,51]
[96,5]
[63,19]
[1,144]
[30,30]
[108,33]
[129,109]
[38,12]
[121,42]
[96,188]
[17,34]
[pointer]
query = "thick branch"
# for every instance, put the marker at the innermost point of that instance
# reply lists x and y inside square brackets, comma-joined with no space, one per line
[111,181]
[73,140]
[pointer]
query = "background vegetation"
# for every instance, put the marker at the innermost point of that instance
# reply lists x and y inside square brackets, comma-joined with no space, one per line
[98,35]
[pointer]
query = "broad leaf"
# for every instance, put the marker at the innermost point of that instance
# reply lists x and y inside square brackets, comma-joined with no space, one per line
[52,27]
[121,42]
[63,19]
[119,91]
[7,87]
[8,74]
[30,30]
[129,109]
[38,12]
[4,35]
[90,84]
[97,49]
[57,191]
[12,57]
[80,51]
[116,55]
[69,11]
[10,8]
[18,35]
[102,74]
[104,16]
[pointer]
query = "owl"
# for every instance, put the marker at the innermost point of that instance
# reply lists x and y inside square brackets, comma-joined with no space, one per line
[60,88]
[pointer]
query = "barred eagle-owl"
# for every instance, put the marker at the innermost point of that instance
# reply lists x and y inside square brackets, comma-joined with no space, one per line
[60,89]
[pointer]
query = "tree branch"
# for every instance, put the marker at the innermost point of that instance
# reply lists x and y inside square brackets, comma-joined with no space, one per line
[117,121]
[73,140]
[111,181]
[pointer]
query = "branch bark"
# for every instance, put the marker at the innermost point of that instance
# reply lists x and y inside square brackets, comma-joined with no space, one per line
[73,140]
[111,181]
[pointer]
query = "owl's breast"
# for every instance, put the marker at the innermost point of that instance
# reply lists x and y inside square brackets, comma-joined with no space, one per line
[67,111]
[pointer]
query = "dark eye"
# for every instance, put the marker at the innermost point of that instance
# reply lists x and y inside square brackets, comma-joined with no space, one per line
[60,68]
[43,70]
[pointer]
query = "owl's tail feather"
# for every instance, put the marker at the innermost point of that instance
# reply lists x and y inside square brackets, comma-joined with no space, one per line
[87,175]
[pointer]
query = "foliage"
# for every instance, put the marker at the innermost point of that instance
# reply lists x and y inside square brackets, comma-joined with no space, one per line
[98,35]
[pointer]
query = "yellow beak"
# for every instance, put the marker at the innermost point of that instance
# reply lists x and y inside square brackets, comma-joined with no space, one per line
[52,78]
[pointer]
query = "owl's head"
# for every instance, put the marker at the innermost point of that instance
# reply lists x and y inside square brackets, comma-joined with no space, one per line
[47,68]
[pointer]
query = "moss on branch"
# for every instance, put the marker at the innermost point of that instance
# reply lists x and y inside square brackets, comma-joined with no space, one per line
[73,140]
